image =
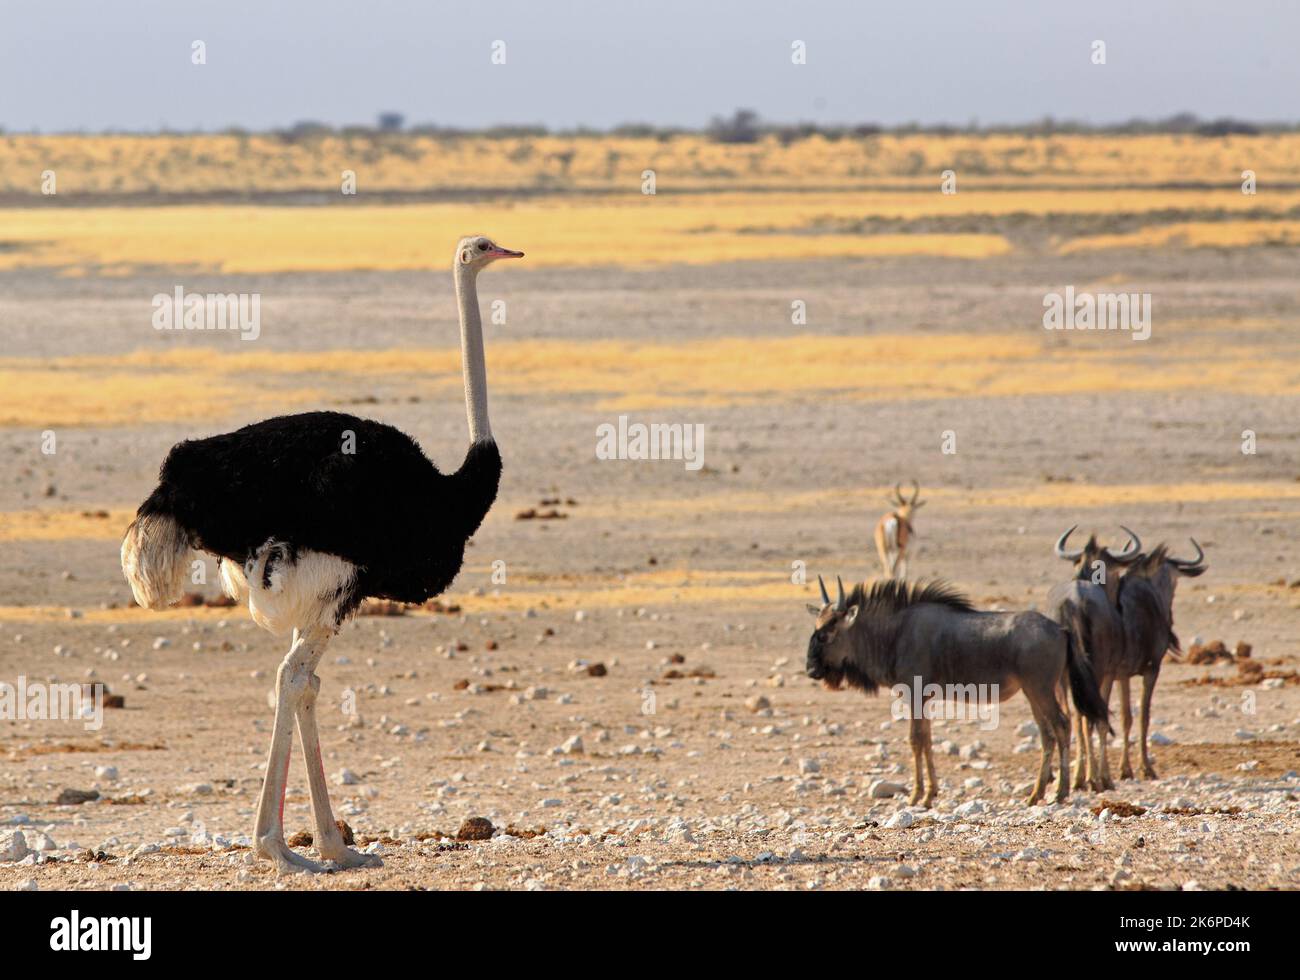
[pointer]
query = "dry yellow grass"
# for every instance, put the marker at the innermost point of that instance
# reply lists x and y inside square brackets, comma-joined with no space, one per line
[615,231]
[715,202]
[174,164]
[614,375]
[1194,234]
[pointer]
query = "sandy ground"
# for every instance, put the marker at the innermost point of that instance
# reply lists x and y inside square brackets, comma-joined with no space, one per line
[679,583]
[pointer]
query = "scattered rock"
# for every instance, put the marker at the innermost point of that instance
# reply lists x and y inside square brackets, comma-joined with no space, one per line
[75,797]
[475,828]
[13,846]
[883,789]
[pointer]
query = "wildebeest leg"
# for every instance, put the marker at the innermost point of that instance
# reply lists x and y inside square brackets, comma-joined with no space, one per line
[1063,747]
[1126,770]
[1148,688]
[933,789]
[1103,780]
[1083,764]
[1043,705]
[917,737]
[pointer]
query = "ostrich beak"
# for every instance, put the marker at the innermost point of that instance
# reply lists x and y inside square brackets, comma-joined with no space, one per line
[498,252]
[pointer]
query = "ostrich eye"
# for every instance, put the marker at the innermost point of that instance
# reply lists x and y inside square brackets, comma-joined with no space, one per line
[482,246]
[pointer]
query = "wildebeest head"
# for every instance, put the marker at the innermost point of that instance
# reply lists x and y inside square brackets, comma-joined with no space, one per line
[1097,563]
[830,647]
[1162,570]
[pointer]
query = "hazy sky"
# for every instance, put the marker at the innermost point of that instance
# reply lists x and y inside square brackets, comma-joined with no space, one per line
[72,64]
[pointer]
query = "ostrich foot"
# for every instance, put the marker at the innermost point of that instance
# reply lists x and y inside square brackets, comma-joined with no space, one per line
[285,859]
[1149,772]
[346,858]
[915,798]
[1126,772]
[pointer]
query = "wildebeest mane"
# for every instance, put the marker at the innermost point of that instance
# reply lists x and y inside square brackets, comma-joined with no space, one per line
[1149,564]
[895,595]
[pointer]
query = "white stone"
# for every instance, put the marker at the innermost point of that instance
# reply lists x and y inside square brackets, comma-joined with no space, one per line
[901,820]
[13,846]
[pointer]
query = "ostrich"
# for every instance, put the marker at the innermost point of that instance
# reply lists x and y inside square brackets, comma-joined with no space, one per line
[309,515]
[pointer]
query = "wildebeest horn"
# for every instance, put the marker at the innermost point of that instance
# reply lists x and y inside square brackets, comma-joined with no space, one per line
[1131,551]
[1060,546]
[840,603]
[826,599]
[1189,562]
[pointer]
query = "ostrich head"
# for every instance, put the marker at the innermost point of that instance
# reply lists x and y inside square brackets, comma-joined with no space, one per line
[478,251]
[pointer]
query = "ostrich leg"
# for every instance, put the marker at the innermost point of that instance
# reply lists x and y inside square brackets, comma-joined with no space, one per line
[329,842]
[291,681]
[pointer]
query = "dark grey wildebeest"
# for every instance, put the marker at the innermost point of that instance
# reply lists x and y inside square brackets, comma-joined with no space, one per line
[1146,605]
[923,641]
[1088,607]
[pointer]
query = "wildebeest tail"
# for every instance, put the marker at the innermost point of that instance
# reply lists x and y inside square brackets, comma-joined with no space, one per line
[155,554]
[1083,682]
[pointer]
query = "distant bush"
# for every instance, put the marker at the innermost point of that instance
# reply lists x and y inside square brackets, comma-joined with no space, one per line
[742,127]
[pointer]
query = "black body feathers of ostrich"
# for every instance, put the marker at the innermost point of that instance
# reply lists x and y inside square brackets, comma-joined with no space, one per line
[332,483]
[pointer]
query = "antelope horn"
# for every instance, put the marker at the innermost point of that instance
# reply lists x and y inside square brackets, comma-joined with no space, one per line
[916,492]
[1189,562]
[898,494]
[1060,547]
[1131,550]
[840,603]
[826,599]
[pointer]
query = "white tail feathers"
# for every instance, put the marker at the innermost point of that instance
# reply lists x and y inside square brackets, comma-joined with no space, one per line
[154,560]
[233,582]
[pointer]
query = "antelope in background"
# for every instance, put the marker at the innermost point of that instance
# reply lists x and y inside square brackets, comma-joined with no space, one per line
[894,531]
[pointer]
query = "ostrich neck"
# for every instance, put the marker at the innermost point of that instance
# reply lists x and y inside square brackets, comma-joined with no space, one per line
[471,355]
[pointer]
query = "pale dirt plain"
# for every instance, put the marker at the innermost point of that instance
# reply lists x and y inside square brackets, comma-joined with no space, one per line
[678,582]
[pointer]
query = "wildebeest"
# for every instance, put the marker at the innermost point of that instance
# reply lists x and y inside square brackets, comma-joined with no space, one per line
[1146,605]
[921,638]
[1088,607]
